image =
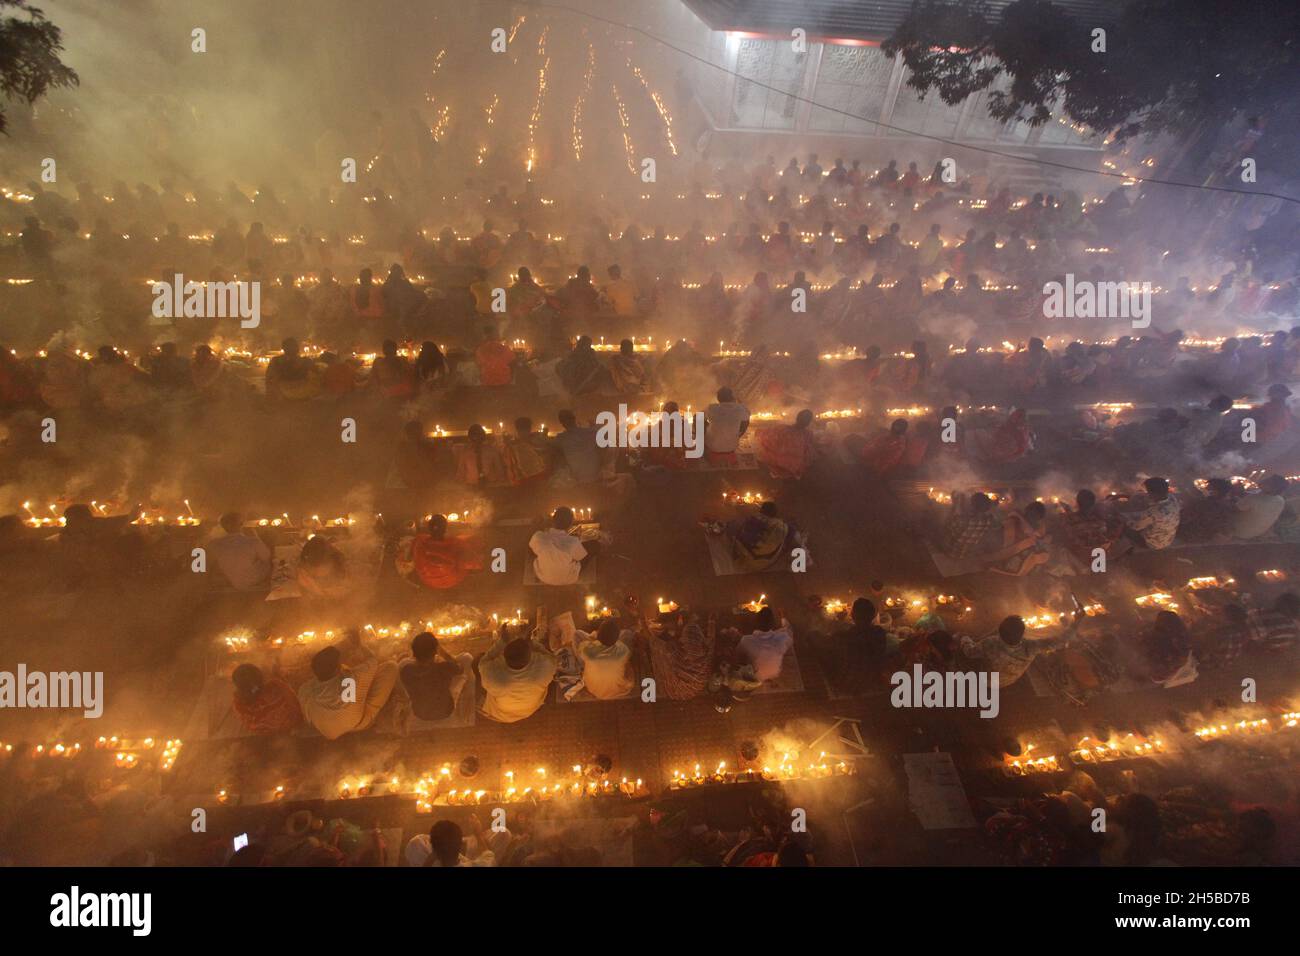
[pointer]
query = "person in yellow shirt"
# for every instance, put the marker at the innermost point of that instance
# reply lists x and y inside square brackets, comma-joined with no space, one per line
[622,293]
[516,674]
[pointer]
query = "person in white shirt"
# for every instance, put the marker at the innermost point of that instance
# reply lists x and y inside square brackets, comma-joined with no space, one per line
[725,421]
[766,648]
[606,661]
[243,559]
[558,554]
[1256,513]
[445,843]
[515,675]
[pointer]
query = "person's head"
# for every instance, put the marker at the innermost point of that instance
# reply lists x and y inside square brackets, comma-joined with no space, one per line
[1012,630]
[327,663]
[525,275]
[518,653]
[1218,488]
[1157,488]
[980,503]
[1035,513]
[247,679]
[768,509]
[445,841]
[899,427]
[863,612]
[436,527]
[389,348]
[562,520]
[725,394]
[289,347]
[766,618]
[804,419]
[424,647]
[791,853]
[615,271]
[568,419]
[584,274]
[365,276]
[626,348]
[1220,404]
[232,522]
[1085,501]
[1273,485]
[523,426]
[476,434]
[1278,393]
[607,633]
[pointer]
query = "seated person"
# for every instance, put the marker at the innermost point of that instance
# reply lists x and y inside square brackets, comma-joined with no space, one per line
[264,706]
[516,674]
[934,651]
[322,569]
[670,457]
[1088,527]
[971,527]
[392,375]
[760,540]
[1166,651]
[579,454]
[581,371]
[1208,520]
[1007,652]
[726,420]
[439,561]
[787,450]
[765,648]
[606,660]
[339,699]
[1155,523]
[1024,542]
[243,559]
[887,453]
[433,678]
[445,845]
[559,555]
[478,462]
[1277,628]
[681,656]
[526,457]
[857,654]
[627,371]
[495,359]
[1255,514]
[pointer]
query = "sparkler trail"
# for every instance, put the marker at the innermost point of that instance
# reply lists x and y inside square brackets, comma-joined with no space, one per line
[581,100]
[627,139]
[535,120]
[658,102]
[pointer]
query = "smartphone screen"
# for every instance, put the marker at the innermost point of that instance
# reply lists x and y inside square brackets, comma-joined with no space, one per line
[241,841]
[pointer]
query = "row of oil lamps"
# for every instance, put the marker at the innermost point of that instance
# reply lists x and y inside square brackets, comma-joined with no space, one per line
[1089,750]
[127,752]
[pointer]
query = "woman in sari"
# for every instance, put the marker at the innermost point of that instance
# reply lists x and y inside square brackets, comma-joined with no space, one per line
[681,656]
[439,561]
[887,452]
[627,371]
[787,450]
[754,380]
[1024,542]
[760,540]
[1009,442]
[581,371]
[525,462]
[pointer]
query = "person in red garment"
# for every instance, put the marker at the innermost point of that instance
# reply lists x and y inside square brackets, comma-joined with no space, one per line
[495,359]
[441,562]
[264,706]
